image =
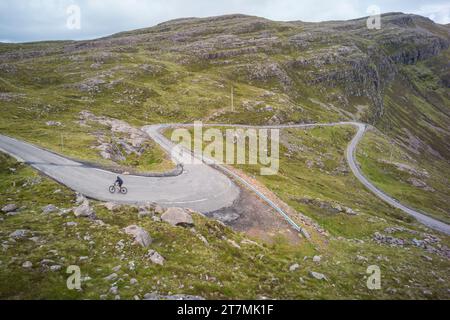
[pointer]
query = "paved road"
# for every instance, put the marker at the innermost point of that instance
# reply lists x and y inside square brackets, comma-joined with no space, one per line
[351,159]
[200,187]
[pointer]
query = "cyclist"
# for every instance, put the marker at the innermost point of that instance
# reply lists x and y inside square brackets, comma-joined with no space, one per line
[119,182]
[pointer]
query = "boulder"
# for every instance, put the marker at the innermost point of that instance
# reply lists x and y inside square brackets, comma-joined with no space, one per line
[140,236]
[27,265]
[9,208]
[155,257]
[178,217]
[112,206]
[85,211]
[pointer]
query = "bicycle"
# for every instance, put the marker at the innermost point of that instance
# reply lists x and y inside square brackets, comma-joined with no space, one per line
[115,188]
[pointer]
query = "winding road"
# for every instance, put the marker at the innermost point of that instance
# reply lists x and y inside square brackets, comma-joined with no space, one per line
[201,186]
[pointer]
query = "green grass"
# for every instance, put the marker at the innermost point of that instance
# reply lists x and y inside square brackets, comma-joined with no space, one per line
[71,139]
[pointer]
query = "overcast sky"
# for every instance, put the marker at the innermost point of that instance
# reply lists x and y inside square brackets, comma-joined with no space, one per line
[33,20]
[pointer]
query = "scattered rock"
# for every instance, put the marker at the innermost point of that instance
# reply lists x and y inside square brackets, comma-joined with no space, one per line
[112,206]
[133,281]
[10,208]
[141,236]
[317,259]
[19,234]
[34,239]
[155,257]
[144,213]
[380,238]
[71,224]
[200,236]
[99,223]
[392,291]
[156,219]
[80,198]
[429,243]
[156,296]
[318,276]
[178,217]
[250,242]
[27,265]
[420,184]
[49,209]
[120,245]
[46,262]
[159,210]
[64,212]
[234,244]
[361,258]
[13,213]
[55,268]
[117,268]
[111,277]
[53,123]
[84,210]
[131,140]
[294,267]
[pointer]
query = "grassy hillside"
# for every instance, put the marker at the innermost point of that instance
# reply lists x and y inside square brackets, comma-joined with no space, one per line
[226,266]
[396,79]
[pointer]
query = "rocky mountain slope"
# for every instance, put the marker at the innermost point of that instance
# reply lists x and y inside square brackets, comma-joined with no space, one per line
[396,77]
[63,96]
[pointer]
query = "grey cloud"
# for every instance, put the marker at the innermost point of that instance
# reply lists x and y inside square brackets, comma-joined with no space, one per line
[32,20]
